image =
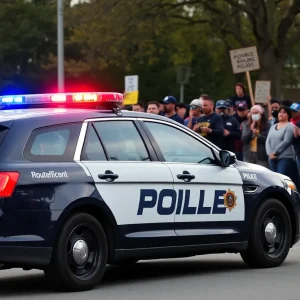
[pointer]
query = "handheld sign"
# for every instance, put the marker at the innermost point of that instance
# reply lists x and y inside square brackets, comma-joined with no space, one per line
[131,94]
[245,60]
[262,91]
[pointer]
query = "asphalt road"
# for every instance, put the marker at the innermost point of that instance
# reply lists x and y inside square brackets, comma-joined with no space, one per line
[222,276]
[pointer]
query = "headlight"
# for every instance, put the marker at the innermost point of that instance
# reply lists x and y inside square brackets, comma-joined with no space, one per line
[289,184]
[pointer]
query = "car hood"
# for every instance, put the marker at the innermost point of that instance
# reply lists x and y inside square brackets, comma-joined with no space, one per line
[253,167]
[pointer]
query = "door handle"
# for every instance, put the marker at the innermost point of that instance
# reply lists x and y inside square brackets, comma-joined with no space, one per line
[186,176]
[108,176]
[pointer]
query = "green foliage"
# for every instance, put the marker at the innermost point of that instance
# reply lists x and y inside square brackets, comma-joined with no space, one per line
[108,39]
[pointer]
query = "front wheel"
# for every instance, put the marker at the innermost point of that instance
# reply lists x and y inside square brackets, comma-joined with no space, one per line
[271,236]
[80,255]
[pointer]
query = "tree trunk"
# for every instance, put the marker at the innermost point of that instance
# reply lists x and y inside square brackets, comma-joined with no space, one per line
[271,68]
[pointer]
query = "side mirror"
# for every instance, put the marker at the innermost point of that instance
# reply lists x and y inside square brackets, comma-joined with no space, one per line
[227,158]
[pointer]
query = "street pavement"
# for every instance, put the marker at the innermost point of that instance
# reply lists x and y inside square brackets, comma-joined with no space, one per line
[210,277]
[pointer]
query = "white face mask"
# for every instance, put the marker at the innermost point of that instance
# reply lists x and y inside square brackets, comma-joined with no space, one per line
[255,117]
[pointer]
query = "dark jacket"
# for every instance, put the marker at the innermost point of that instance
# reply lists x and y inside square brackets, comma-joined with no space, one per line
[238,142]
[247,135]
[232,125]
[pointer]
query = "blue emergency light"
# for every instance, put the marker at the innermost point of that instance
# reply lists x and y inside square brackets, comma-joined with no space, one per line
[61,98]
[12,99]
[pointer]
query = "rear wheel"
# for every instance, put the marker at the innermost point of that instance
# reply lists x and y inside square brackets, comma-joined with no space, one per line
[80,255]
[270,238]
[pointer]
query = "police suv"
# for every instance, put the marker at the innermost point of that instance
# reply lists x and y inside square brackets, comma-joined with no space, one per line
[84,184]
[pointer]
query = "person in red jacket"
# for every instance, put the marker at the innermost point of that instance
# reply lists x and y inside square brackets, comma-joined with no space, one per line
[295,107]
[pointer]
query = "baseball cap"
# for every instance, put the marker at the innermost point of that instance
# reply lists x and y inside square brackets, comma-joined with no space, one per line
[196,102]
[170,99]
[295,107]
[221,104]
[242,106]
[229,103]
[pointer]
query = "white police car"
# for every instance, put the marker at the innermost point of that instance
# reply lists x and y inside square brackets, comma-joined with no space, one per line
[83,185]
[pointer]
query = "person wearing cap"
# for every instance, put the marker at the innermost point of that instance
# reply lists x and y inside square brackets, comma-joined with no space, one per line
[254,135]
[210,124]
[241,115]
[230,106]
[231,127]
[295,108]
[195,113]
[170,109]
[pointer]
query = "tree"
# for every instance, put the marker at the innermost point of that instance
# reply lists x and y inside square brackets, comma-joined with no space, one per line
[121,38]
[27,33]
[274,24]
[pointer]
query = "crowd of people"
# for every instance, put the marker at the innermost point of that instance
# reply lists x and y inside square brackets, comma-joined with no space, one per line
[264,134]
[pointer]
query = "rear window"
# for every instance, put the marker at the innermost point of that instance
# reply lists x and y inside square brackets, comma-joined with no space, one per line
[3,132]
[55,143]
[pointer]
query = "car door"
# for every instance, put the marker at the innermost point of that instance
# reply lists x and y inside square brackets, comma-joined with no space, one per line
[131,181]
[210,200]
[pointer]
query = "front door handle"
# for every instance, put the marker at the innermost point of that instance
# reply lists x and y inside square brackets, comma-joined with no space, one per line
[186,176]
[108,176]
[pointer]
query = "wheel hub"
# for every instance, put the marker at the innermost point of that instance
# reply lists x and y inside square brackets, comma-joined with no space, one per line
[80,252]
[270,233]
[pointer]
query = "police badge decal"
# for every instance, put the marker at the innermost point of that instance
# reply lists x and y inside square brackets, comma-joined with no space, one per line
[230,200]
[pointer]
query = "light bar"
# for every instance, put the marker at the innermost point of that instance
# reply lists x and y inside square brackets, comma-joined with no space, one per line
[62,98]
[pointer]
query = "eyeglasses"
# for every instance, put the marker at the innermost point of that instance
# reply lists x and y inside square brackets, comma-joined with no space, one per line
[194,107]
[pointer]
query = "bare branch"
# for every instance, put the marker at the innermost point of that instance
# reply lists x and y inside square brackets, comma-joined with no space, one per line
[240,7]
[227,18]
[287,21]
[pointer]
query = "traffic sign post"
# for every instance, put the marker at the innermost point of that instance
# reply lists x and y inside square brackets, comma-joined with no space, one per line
[131,94]
[183,77]
[245,60]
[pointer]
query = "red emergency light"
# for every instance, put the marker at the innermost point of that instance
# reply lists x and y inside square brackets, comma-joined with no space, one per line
[63,98]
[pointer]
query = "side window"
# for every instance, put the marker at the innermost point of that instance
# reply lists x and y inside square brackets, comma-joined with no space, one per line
[122,141]
[92,149]
[54,143]
[177,146]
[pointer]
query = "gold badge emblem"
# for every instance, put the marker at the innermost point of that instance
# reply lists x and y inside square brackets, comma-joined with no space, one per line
[230,200]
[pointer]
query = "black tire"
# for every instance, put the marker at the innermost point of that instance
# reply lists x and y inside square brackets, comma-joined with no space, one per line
[262,252]
[63,272]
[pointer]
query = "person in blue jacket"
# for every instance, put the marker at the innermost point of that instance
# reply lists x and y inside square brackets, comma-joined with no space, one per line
[210,124]
[231,126]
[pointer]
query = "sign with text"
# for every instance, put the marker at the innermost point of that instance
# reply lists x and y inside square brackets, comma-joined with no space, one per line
[244,60]
[131,94]
[262,91]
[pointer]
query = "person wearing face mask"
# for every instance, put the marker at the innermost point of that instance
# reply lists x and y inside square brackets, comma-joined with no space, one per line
[254,135]
[275,105]
[231,126]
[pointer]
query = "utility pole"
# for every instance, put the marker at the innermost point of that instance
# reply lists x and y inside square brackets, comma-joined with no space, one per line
[183,77]
[60,45]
